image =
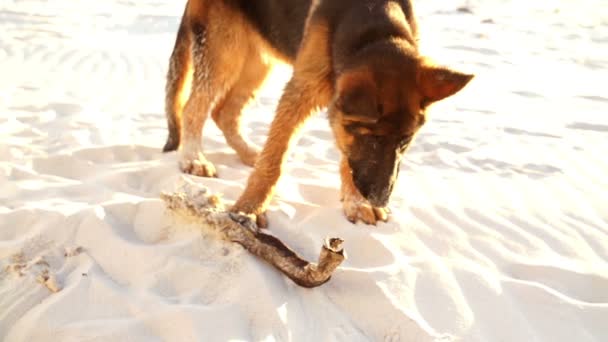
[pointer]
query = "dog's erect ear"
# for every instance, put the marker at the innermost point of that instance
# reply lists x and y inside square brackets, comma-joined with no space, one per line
[436,83]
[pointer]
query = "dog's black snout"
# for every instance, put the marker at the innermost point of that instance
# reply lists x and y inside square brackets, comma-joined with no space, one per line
[376,194]
[375,181]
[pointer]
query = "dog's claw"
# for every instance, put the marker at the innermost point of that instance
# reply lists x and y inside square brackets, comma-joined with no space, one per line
[381,213]
[245,220]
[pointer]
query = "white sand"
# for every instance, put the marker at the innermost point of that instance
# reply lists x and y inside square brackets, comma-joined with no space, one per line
[500,218]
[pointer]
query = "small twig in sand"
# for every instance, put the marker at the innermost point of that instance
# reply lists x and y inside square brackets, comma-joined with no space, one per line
[48,279]
[21,267]
[208,210]
[72,251]
[15,269]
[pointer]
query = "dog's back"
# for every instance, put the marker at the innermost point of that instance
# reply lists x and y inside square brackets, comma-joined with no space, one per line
[280,22]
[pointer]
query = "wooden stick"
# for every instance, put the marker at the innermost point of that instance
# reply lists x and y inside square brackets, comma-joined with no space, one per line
[208,210]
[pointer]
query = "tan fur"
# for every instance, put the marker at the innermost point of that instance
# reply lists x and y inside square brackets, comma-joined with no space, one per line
[227,114]
[309,88]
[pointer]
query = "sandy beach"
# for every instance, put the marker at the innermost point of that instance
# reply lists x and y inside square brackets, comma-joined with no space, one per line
[499,226]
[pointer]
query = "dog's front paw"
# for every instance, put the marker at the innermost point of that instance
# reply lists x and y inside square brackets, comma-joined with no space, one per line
[359,209]
[197,166]
[261,221]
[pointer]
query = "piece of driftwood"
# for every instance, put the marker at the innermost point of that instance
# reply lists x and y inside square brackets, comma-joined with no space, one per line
[208,210]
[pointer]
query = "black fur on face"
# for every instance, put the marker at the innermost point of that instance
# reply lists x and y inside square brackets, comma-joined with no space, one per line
[374,161]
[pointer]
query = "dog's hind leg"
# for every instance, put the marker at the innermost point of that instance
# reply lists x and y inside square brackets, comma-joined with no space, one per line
[227,116]
[177,88]
[219,50]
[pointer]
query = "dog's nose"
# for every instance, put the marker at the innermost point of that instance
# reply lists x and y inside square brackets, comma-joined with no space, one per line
[377,195]
[380,197]
[375,179]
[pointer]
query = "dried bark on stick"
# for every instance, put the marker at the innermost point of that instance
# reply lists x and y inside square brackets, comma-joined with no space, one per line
[208,210]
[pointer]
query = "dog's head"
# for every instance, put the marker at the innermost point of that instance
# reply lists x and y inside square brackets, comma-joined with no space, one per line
[377,110]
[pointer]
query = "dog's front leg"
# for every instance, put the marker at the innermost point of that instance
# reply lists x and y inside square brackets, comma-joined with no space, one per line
[355,206]
[309,88]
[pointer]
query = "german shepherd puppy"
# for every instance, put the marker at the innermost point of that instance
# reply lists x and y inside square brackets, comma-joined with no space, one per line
[359,58]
